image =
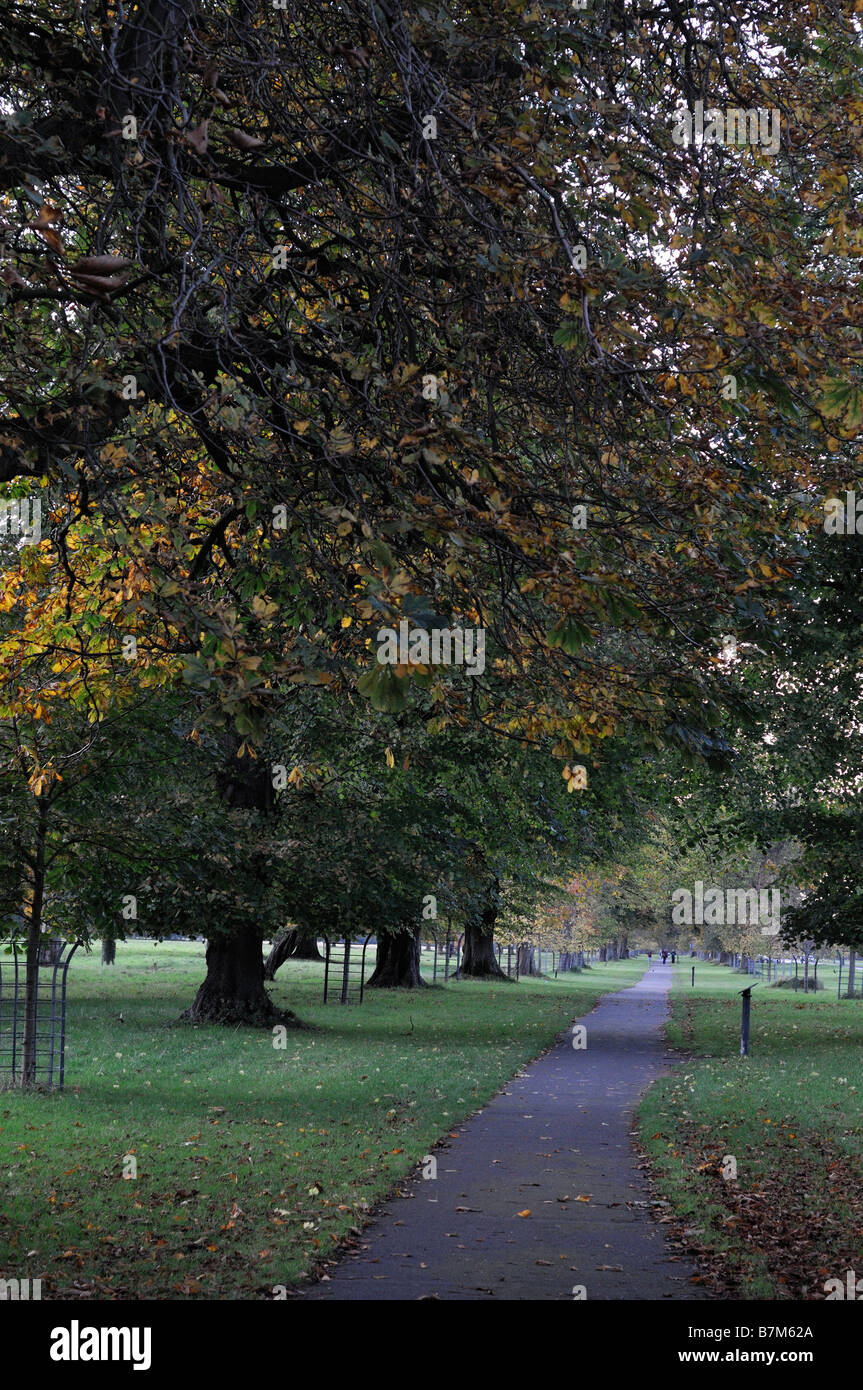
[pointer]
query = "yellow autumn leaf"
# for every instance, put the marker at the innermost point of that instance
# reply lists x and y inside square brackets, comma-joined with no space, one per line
[263,608]
[341,442]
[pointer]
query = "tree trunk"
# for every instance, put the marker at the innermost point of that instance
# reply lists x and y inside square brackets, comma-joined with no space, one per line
[109,950]
[34,935]
[852,964]
[479,961]
[233,991]
[398,961]
[300,943]
[51,951]
[281,948]
[525,961]
[307,945]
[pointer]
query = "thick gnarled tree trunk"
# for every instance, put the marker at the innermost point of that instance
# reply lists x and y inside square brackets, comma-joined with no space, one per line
[526,965]
[398,961]
[233,991]
[280,951]
[306,945]
[479,961]
[299,943]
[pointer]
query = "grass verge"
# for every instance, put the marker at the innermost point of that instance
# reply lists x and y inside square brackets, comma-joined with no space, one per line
[787,1119]
[253,1162]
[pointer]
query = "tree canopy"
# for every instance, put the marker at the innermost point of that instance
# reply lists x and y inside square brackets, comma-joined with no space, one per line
[322,322]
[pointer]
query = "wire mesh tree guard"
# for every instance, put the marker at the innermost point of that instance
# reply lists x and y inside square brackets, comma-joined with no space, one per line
[49,1061]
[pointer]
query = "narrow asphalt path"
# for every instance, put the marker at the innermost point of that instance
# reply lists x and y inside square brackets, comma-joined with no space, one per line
[560,1131]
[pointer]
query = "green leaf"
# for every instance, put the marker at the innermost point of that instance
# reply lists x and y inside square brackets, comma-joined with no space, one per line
[843,401]
[569,335]
[568,634]
[384,689]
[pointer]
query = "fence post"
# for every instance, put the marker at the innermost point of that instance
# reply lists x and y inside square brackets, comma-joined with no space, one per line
[345,975]
[744,1020]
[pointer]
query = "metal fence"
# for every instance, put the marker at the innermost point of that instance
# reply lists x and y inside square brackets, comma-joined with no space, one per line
[514,960]
[345,970]
[50,1014]
[806,973]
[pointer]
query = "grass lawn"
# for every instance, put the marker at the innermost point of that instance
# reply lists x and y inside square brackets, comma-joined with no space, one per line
[789,1114]
[252,1162]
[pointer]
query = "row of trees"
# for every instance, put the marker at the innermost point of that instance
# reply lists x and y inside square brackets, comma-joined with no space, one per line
[324,320]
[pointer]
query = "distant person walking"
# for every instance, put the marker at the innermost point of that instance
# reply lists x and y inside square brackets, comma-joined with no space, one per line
[664,957]
[673,957]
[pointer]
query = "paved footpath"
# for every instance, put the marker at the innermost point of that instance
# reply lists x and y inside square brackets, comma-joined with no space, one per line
[560,1131]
